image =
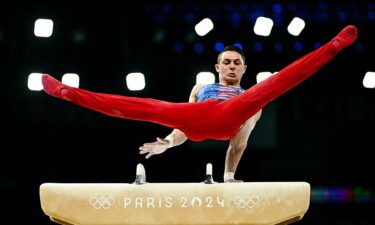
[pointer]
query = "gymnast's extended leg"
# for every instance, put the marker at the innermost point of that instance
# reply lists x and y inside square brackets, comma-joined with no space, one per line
[174,115]
[243,106]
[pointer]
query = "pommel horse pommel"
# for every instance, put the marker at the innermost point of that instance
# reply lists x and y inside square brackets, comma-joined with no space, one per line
[203,203]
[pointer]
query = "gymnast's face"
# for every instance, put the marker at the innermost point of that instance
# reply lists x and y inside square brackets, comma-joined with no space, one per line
[230,68]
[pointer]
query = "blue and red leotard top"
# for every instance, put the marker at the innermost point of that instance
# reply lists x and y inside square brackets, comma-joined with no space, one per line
[217,92]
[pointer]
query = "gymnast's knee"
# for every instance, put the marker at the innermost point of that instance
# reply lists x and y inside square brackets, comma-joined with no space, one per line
[66,94]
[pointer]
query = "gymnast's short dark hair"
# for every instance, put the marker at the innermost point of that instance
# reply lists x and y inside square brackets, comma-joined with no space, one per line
[233,48]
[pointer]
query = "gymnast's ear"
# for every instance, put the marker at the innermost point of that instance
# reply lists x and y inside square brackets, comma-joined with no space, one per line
[217,67]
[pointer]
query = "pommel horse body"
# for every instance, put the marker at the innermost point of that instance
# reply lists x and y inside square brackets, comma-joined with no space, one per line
[142,203]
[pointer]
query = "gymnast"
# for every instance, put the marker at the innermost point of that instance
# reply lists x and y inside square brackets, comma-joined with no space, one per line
[220,111]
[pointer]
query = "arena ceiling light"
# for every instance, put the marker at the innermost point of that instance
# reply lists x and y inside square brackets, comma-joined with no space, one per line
[296,26]
[135,81]
[71,79]
[369,80]
[34,81]
[43,27]
[263,26]
[204,26]
[205,78]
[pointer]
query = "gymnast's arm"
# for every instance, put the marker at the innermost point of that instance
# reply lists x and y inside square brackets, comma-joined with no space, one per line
[237,146]
[175,138]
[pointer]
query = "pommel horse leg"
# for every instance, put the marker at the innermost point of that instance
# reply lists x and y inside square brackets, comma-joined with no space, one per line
[209,176]
[140,176]
[142,203]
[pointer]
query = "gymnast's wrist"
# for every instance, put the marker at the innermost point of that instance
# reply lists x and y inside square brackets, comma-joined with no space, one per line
[169,138]
[228,176]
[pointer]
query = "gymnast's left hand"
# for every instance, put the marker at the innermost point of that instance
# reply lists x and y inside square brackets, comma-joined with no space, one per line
[153,148]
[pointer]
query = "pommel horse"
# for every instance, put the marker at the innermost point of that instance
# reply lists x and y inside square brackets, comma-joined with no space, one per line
[143,203]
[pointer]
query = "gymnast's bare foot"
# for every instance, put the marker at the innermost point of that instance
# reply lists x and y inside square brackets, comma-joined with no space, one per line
[55,87]
[345,38]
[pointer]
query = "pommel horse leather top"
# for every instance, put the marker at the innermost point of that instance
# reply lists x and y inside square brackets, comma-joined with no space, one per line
[208,202]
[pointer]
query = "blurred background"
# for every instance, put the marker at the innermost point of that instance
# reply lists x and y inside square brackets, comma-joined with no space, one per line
[321,132]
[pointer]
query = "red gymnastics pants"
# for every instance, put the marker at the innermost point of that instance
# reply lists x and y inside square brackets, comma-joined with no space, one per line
[210,119]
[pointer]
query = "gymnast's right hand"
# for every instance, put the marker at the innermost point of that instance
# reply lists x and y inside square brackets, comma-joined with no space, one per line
[153,148]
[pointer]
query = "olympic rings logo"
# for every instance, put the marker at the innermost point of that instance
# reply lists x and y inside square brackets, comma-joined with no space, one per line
[246,201]
[101,202]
